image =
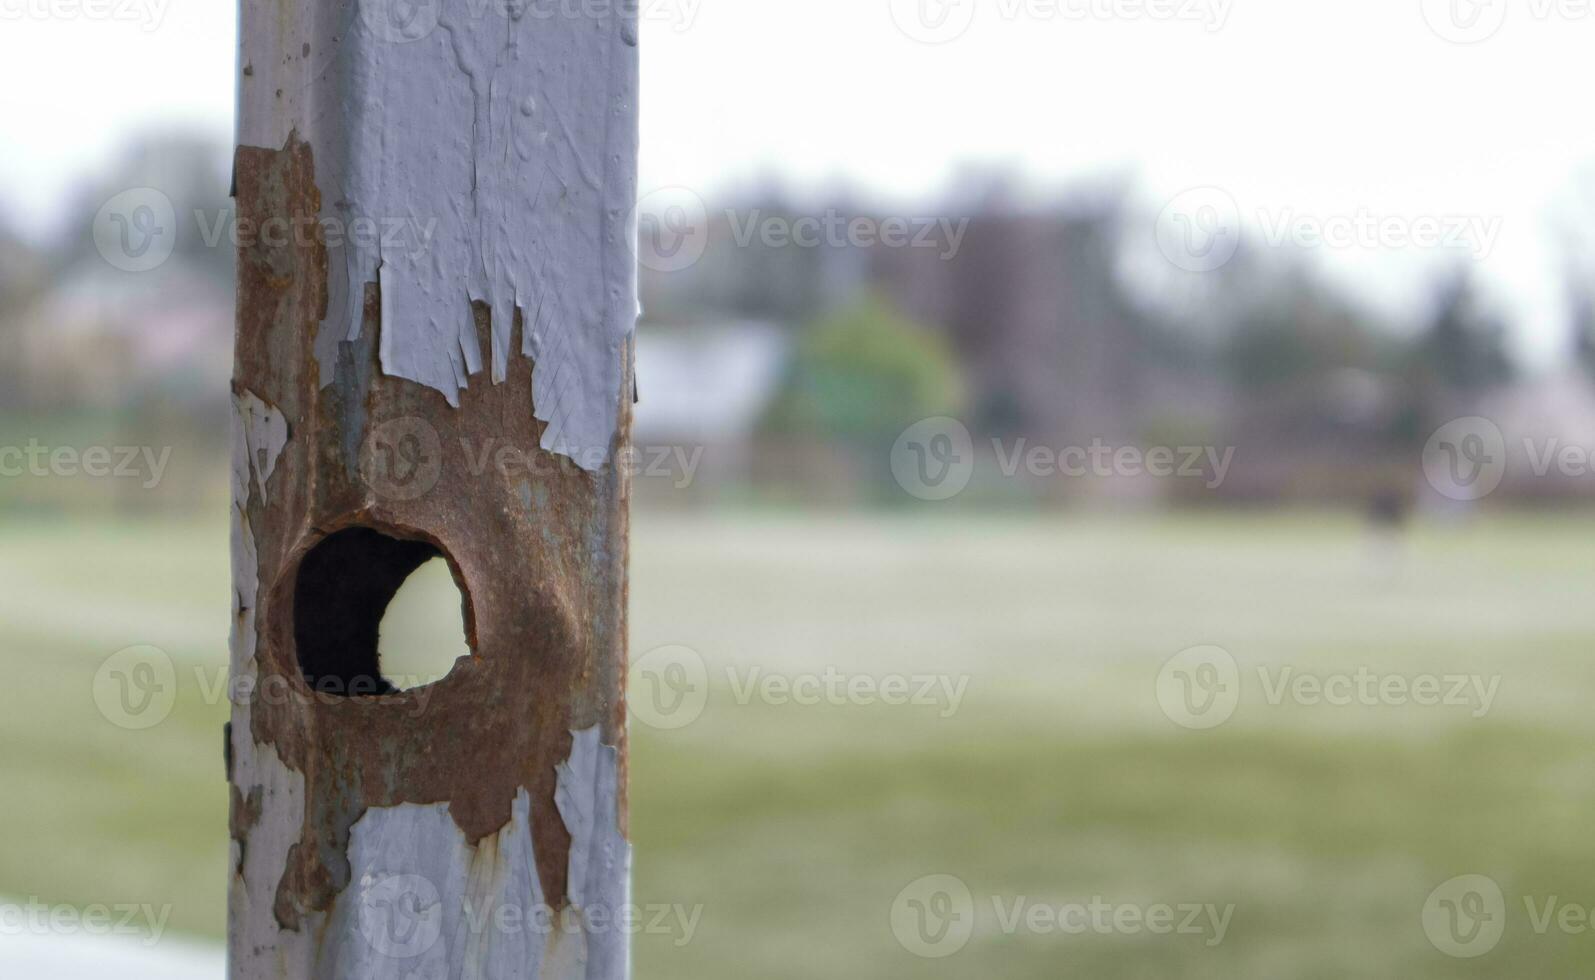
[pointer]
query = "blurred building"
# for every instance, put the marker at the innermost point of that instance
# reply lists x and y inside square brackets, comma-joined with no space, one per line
[702,392]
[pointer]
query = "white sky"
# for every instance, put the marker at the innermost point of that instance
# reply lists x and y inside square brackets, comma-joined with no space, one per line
[1324,107]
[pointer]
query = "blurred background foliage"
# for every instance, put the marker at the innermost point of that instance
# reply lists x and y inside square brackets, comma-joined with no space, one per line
[1048,322]
[1054,323]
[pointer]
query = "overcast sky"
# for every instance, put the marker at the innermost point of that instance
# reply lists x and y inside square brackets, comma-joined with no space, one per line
[1323,109]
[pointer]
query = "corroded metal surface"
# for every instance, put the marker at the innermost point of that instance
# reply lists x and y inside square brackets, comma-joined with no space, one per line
[502,784]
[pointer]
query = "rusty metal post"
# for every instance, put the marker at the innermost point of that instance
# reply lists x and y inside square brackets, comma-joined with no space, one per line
[434,358]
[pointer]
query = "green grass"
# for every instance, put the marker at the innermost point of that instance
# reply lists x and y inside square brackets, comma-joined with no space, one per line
[1058,779]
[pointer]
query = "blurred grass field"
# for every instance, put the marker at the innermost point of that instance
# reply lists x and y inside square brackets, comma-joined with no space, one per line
[1058,778]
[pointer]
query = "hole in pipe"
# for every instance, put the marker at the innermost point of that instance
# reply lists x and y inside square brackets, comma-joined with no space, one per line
[375,615]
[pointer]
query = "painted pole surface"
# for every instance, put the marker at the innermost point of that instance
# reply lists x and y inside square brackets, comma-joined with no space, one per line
[437,297]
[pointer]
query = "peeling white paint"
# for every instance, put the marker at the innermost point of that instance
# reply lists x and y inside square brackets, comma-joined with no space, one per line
[588,798]
[423,902]
[262,435]
[512,134]
[258,950]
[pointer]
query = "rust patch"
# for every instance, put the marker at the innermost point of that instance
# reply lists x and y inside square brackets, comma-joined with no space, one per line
[545,583]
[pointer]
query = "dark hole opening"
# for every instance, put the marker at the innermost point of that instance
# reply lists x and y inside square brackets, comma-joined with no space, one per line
[345,586]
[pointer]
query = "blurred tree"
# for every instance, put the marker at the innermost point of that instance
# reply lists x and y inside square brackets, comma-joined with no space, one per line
[1294,333]
[1583,317]
[1464,350]
[22,277]
[192,170]
[865,374]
